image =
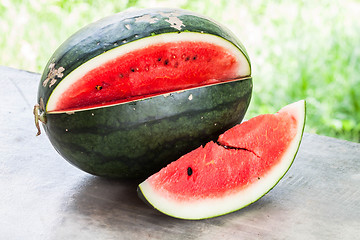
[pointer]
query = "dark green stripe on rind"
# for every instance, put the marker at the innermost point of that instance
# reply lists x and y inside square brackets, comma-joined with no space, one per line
[137,139]
[120,29]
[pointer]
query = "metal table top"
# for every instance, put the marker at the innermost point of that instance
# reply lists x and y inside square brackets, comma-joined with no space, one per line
[44,197]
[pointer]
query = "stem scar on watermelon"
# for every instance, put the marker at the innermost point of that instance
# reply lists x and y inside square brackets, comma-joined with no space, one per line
[244,164]
[130,93]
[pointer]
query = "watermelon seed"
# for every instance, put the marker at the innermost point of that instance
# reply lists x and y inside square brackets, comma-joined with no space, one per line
[166,62]
[187,58]
[189,171]
[132,69]
[159,59]
[98,87]
[194,58]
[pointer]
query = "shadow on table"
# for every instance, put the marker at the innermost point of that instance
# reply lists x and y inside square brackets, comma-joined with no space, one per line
[112,206]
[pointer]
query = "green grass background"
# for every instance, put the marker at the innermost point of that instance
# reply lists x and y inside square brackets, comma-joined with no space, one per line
[299,49]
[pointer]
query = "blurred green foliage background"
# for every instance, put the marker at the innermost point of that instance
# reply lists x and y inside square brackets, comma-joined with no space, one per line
[300,49]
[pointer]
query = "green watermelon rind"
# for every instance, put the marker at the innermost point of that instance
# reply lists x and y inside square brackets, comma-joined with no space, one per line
[148,198]
[120,29]
[136,139]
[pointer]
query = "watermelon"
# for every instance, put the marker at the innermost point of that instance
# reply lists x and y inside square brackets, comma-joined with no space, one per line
[223,176]
[128,94]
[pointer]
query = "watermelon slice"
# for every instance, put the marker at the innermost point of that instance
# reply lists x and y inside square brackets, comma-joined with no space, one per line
[243,165]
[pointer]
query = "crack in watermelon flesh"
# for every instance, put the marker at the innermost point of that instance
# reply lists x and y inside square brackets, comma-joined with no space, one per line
[244,164]
[155,69]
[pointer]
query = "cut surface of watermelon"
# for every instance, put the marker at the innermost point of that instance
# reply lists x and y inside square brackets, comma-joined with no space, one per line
[147,67]
[243,165]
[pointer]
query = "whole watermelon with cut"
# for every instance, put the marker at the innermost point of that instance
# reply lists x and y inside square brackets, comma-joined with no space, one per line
[130,93]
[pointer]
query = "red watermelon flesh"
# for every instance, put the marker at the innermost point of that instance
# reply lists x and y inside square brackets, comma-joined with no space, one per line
[152,70]
[245,163]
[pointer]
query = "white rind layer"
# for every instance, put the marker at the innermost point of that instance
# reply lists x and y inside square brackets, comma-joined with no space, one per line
[139,44]
[206,208]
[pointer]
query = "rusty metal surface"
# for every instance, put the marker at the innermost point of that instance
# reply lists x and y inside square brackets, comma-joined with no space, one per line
[44,197]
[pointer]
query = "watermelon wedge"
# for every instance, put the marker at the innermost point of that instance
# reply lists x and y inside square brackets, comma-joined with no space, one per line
[245,163]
